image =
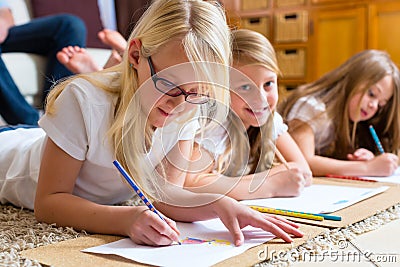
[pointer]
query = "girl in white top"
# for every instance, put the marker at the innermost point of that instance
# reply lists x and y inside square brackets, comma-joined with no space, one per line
[243,146]
[329,118]
[95,118]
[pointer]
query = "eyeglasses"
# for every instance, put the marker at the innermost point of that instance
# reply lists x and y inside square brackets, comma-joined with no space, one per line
[171,89]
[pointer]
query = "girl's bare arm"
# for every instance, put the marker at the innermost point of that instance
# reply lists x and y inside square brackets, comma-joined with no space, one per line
[55,203]
[382,165]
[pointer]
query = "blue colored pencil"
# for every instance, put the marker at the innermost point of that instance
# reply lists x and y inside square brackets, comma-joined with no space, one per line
[376,139]
[292,212]
[136,188]
[325,216]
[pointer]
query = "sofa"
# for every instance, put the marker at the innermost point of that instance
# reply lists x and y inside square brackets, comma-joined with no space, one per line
[27,69]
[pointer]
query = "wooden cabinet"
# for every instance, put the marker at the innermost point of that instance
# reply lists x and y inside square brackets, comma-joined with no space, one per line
[337,34]
[329,1]
[384,30]
[312,37]
[286,24]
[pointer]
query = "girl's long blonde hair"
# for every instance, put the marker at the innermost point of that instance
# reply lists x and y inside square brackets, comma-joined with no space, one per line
[337,87]
[250,150]
[201,26]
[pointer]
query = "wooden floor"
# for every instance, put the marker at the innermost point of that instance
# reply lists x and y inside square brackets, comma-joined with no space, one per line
[381,245]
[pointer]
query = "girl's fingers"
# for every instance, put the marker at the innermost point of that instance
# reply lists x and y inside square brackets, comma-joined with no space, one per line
[175,234]
[269,225]
[278,226]
[164,229]
[292,224]
[350,157]
[287,227]
[158,238]
[236,232]
[144,240]
[172,224]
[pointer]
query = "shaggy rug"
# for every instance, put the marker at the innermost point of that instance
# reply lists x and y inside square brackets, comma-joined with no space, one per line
[20,231]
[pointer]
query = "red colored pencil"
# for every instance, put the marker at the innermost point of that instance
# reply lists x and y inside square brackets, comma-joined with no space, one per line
[356,178]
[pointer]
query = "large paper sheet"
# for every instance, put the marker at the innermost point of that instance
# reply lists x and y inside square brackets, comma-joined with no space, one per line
[394,178]
[203,244]
[320,198]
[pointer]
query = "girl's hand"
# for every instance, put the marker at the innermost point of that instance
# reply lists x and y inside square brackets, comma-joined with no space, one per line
[147,228]
[382,165]
[306,172]
[236,216]
[361,154]
[308,177]
[288,183]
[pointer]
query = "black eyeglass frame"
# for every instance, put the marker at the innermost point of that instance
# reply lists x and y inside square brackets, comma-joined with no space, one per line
[203,98]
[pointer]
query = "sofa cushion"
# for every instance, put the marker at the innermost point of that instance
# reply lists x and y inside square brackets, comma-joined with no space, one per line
[21,11]
[27,72]
[87,10]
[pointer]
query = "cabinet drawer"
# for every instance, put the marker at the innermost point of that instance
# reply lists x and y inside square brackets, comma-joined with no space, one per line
[292,62]
[254,4]
[291,26]
[284,90]
[258,24]
[283,3]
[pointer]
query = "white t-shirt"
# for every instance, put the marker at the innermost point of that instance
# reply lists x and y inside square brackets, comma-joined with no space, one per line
[215,139]
[20,154]
[83,116]
[312,110]
[3,3]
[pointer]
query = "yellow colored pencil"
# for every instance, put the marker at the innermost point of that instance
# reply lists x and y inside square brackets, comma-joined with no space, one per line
[288,213]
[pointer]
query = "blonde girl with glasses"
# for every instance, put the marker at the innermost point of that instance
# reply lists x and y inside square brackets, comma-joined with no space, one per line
[121,113]
[239,152]
[330,118]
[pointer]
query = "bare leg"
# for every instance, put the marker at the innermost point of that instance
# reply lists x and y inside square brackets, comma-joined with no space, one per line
[77,60]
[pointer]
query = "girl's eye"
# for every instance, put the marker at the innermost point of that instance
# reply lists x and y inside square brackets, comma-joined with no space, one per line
[165,85]
[371,93]
[245,87]
[267,85]
[193,91]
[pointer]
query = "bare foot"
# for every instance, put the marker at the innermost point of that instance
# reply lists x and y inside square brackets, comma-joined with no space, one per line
[77,60]
[113,39]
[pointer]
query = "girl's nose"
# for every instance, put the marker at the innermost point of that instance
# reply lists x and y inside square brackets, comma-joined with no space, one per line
[262,96]
[374,104]
[178,103]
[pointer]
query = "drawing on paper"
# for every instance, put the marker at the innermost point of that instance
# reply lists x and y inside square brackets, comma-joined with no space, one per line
[192,240]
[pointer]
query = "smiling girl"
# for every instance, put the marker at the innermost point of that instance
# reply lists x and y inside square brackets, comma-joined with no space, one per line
[136,112]
[236,157]
[329,118]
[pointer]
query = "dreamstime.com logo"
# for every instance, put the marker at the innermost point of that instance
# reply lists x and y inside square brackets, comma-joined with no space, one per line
[339,256]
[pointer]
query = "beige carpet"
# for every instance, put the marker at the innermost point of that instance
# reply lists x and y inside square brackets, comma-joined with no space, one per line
[20,231]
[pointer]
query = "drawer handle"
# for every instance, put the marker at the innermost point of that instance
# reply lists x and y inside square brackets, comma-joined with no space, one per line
[291,16]
[254,20]
[290,51]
